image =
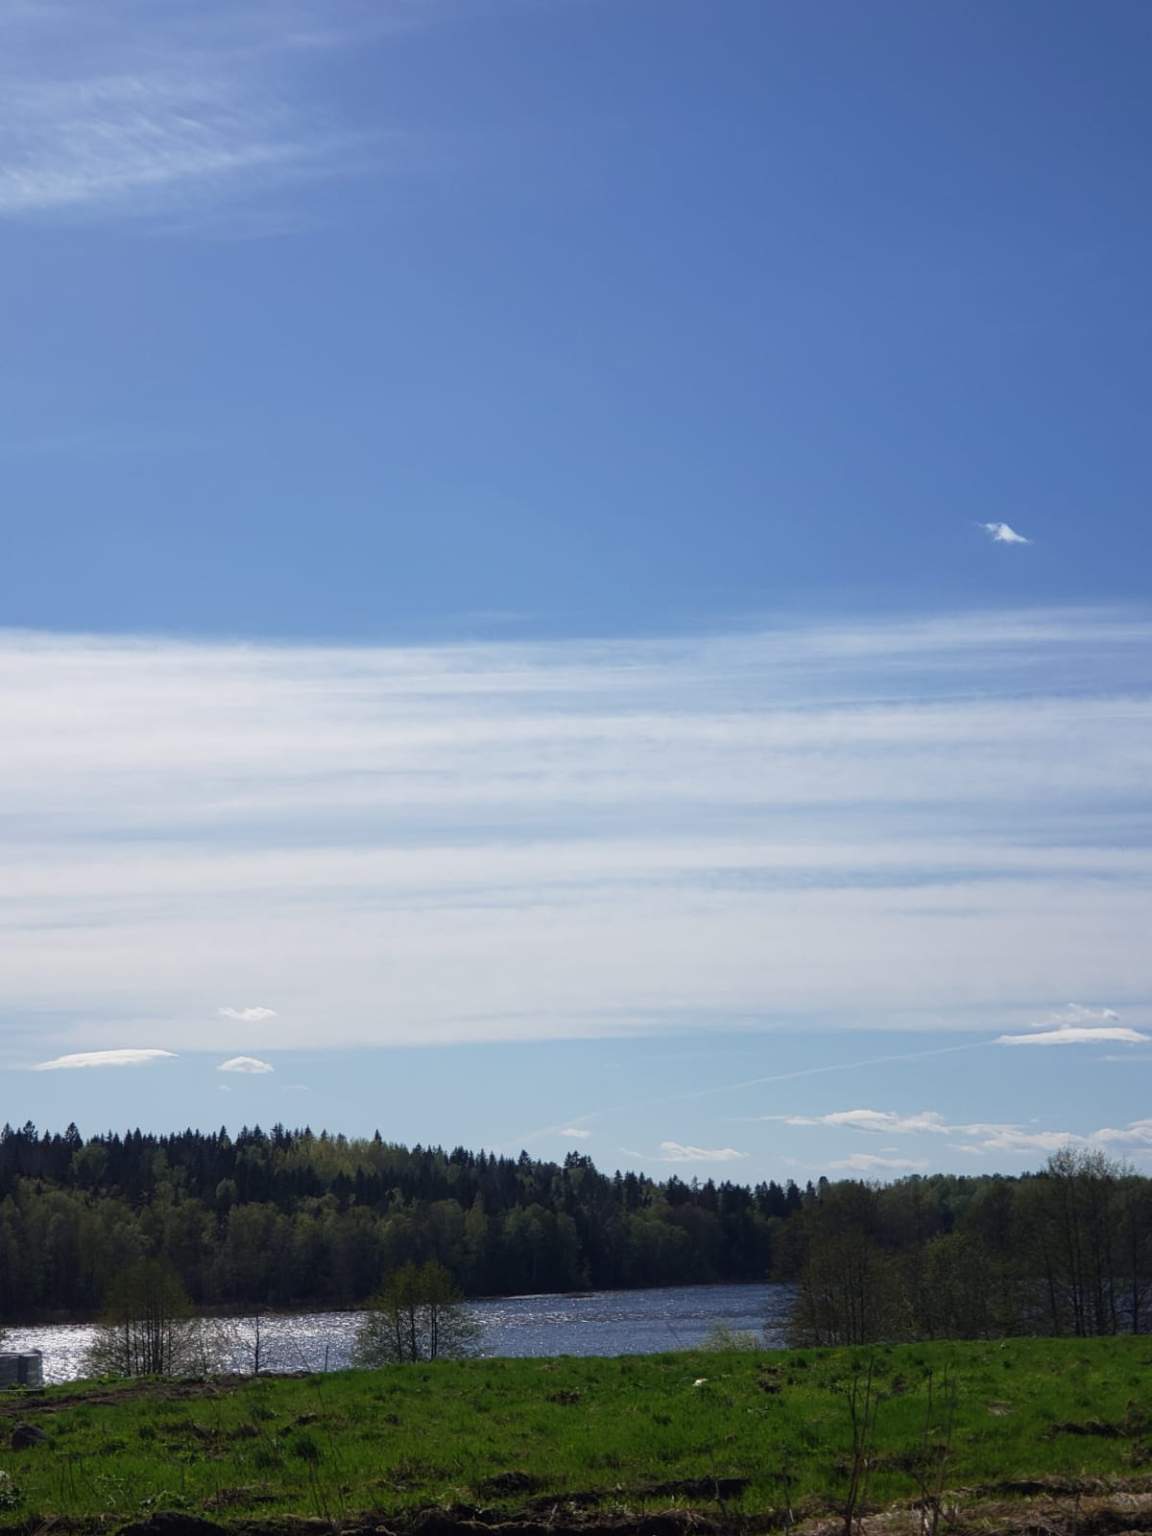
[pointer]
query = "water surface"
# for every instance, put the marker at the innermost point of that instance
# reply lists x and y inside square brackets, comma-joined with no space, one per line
[599,1323]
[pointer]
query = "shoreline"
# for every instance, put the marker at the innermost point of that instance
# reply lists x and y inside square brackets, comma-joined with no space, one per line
[240,1312]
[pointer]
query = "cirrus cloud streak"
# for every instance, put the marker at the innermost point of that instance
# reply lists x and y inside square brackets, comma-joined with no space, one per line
[915,820]
[121,110]
[677,1152]
[980,1136]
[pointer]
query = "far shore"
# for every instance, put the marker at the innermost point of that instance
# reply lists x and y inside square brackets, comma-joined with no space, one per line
[310,1309]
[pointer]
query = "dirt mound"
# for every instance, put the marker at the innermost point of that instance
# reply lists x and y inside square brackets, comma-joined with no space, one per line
[156,1391]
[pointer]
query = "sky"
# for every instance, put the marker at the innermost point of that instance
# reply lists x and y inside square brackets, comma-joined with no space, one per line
[574,575]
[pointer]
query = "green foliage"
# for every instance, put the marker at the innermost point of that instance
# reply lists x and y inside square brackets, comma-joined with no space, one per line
[977,1414]
[720,1339]
[305,1448]
[416,1316]
[148,1329]
[290,1218]
[1064,1252]
[11,1494]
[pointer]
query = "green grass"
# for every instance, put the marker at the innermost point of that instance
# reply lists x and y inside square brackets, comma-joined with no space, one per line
[406,1437]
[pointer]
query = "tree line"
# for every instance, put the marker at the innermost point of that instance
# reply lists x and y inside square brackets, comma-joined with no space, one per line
[291,1218]
[1063,1252]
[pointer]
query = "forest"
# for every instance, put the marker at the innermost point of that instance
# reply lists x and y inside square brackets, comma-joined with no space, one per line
[292,1218]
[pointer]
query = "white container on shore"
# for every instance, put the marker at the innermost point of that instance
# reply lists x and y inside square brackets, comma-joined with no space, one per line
[22,1370]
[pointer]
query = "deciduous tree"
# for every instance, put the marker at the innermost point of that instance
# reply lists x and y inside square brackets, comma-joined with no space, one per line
[417,1316]
[148,1329]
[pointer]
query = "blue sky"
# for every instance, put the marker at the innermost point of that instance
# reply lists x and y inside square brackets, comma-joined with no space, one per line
[501,617]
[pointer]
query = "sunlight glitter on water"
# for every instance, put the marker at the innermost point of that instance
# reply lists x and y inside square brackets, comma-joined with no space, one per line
[598,1323]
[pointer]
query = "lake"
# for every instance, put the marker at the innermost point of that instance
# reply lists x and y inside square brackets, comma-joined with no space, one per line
[599,1323]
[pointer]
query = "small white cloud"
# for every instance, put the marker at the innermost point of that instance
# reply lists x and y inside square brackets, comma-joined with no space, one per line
[124,1058]
[248,1015]
[1001,533]
[574,1130]
[250,1064]
[676,1152]
[1073,1034]
[868,1162]
[1075,1024]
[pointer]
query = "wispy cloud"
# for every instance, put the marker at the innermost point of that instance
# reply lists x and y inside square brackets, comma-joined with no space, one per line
[432,845]
[1011,1138]
[981,1136]
[1073,1034]
[868,1162]
[1075,1024]
[575,1132]
[1138,1133]
[1003,533]
[123,108]
[117,1058]
[135,140]
[1077,1013]
[872,1120]
[248,1064]
[677,1152]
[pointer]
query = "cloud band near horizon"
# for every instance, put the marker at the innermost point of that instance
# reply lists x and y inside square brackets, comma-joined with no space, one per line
[916,823]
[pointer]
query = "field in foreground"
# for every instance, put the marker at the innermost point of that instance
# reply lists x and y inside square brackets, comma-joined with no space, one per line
[740,1440]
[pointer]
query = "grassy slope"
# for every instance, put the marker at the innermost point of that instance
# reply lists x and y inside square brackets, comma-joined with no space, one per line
[389,1440]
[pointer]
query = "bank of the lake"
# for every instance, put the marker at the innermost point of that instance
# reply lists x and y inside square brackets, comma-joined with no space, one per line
[598,1323]
[593,1440]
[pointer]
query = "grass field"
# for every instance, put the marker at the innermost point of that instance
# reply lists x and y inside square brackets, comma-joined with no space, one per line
[495,1438]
